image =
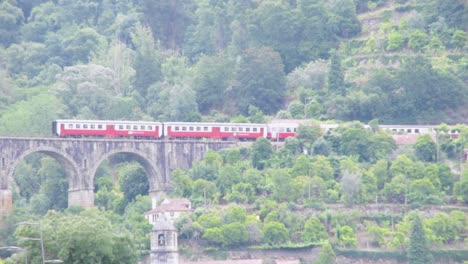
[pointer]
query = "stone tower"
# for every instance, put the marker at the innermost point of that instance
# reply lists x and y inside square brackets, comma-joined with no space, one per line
[164,248]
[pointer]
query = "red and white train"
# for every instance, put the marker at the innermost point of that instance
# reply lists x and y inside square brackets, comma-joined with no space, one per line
[277,130]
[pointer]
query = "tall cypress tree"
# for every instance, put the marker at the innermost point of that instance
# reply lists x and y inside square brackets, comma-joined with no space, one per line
[418,250]
[336,82]
[327,255]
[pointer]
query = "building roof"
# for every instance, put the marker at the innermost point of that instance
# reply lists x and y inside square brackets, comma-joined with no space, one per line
[405,139]
[228,261]
[172,205]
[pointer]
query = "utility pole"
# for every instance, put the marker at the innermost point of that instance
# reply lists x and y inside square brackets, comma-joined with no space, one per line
[41,240]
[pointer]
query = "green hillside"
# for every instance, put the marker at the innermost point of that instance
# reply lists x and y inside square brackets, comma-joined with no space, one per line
[347,195]
[400,62]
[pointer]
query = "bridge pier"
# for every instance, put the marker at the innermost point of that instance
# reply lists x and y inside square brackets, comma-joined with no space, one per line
[6,202]
[81,197]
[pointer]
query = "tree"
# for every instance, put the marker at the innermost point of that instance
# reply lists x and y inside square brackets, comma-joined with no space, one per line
[234,234]
[307,134]
[344,18]
[235,214]
[314,231]
[147,62]
[86,90]
[301,167]
[133,181]
[396,190]
[261,151]
[346,236]
[278,25]
[394,41]
[259,81]
[381,172]
[316,28]
[322,167]
[94,239]
[444,228]
[214,235]
[407,167]
[425,148]
[211,30]
[281,184]
[209,220]
[34,113]
[336,83]
[275,233]
[351,186]
[82,45]
[168,20]
[210,81]
[417,40]
[11,19]
[418,249]
[419,89]
[461,187]
[422,190]
[458,39]
[327,255]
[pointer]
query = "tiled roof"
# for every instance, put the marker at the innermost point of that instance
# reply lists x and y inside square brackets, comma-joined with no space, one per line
[172,205]
[405,139]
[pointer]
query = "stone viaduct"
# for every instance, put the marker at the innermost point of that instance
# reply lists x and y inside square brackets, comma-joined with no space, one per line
[82,157]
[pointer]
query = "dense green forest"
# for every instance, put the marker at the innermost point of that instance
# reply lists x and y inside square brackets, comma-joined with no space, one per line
[398,61]
[352,61]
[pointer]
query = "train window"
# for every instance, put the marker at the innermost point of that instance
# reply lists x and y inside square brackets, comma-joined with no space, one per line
[205,128]
[241,129]
[78,126]
[247,129]
[150,128]
[92,126]
[288,129]
[394,130]
[254,129]
[295,129]
[85,126]
[233,129]
[198,128]
[176,128]
[127,127]
[226,129]
[135,127]
[142,127]
[121,127]
[99,126]
[70,125]
[190,128]
[184,128]
[408,130]
[416,130]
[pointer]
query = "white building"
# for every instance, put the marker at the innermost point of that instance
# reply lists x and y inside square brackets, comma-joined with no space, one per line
[170,210]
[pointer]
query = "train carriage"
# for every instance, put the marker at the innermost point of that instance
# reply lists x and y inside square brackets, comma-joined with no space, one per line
[105,128]
[224,131]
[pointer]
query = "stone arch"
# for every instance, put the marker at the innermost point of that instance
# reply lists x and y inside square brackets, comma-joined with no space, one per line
[155,178]
[72,170]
